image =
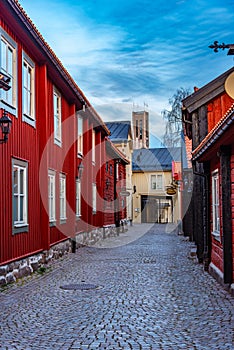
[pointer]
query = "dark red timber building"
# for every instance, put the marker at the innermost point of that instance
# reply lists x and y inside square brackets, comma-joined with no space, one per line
[208,115]
[115,211]
[52,188]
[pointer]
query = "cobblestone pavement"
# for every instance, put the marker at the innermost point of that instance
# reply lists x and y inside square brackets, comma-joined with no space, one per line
[149,296]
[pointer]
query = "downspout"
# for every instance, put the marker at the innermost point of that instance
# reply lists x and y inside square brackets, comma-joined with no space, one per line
[206,251]
[116,200]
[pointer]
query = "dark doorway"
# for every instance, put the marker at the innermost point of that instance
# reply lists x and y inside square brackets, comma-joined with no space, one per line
[156,209]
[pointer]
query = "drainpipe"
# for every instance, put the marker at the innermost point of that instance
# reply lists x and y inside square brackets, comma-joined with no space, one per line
[116,200]
[206,250]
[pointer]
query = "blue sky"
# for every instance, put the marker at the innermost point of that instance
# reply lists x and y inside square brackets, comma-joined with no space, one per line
[129,53]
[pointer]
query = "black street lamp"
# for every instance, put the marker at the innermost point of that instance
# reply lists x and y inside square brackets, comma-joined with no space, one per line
[5,125]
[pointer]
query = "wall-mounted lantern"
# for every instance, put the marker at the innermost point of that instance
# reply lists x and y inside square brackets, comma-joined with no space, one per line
[80,170]
[5,125]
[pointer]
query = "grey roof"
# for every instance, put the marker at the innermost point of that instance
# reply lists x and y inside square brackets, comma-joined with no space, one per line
[119,130]
[155,159]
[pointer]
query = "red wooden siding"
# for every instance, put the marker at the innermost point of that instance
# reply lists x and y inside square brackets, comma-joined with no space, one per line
[217,108]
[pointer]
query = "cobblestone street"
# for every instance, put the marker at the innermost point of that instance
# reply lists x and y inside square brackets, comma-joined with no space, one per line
[146,294]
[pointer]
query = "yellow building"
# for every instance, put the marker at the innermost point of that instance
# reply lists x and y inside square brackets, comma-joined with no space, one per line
[156,196]
[121,136]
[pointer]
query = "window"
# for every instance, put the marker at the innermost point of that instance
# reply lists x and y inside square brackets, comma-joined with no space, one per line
[8,66]
[80,136]
[28,90]
[136,128]
[78,198]
[20,197]
[57,117]
[156,182]
[106,167]
[140,129]
[93,145]
[51,194]
[62,196]
[215,204]
[117,171]
[94,202]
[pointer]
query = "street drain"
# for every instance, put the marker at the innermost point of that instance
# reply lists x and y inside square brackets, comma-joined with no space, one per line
[81,286]
[149,260]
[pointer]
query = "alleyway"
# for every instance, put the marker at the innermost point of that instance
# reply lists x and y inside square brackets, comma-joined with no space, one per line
[143,295]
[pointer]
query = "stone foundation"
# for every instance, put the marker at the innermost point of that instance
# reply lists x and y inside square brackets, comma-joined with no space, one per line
[218,275]
[15,270]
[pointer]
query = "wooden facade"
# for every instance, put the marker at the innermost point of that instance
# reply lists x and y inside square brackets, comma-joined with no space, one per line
[40,173]
[212,157]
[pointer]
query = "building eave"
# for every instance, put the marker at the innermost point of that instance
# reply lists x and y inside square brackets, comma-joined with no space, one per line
[36,36]
[206,93]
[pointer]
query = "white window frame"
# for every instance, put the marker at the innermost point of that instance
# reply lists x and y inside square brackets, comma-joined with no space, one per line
[19,195]
[215,205]
[78,198]
[8,99]
[62,197]
[93,146]
[117,171]
[156,182]
[28,90]
[80,132]
[51,196]
[94,198]
[57,106]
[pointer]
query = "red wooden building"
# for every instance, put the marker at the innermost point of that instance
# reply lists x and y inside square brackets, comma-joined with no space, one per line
[209,119]
[52,173]
[115,187]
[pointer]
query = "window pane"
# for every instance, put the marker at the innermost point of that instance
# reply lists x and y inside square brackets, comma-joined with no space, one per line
[3,55]
[15,208]
[21,208]
[21,181]
[10,61]
[15,176]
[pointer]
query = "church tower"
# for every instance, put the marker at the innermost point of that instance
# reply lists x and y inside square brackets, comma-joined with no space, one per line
[140,122]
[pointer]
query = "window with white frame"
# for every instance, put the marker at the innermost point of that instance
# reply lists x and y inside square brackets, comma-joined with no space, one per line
[8,66]
[78,198]
[156,182]
[28,82]
[51,195]
[57,117]
[117,171]
[62,196]
[80,135]
[215,204]
[20,196]
[94,196]
[93,145]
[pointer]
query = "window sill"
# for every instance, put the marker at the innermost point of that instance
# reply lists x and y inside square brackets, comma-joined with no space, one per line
[20,228]
[58,142]
[52,223]
[29,120]
[9,108]
[216,236]
[63,221]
